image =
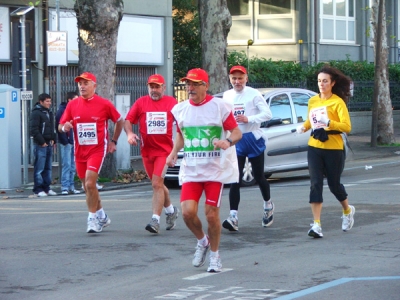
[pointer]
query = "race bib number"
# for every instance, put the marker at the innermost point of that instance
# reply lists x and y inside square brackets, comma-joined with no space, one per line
[87,133]
[313,117]
[238,109]
[156,122]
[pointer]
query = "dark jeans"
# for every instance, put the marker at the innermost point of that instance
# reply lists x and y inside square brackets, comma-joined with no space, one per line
[42,168]
[329,163]
[257,164]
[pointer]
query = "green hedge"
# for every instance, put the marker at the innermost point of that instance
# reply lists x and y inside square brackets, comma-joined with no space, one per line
[265,72]
[271,72]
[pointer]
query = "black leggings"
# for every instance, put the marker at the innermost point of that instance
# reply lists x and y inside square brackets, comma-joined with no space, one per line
[331,164]
[257,164]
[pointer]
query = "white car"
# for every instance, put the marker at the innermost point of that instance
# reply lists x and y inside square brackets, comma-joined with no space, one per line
[286,149]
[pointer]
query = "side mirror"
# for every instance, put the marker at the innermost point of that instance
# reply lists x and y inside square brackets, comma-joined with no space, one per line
[272,122]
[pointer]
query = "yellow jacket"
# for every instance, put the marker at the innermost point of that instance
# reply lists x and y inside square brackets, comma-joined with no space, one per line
[339,117]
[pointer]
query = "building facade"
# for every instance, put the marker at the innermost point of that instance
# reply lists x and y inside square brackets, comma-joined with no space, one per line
[309,31]
[145,47]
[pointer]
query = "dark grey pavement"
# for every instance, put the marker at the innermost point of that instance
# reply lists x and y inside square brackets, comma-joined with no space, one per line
[46,253]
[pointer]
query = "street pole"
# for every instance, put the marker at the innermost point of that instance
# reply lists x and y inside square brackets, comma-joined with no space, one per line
[25,138]
[249,43]
[58,94]
[21,12]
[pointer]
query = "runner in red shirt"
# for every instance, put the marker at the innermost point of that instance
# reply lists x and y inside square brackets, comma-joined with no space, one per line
[153,114]
[88,115]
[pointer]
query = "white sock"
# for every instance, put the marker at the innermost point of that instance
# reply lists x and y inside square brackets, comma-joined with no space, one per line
[203,242]
[169,209]
[100,213]
[233,213]
[156,217]
[215,254]
[91,216]
[268,204]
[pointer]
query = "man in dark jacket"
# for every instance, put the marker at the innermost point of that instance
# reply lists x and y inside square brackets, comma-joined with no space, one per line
[43,132]
[66,142]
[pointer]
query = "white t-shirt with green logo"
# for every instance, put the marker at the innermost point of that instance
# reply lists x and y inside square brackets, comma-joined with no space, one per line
[201,126]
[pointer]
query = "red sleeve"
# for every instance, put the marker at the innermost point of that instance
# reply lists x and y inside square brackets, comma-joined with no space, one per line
[133,114]
[230,122]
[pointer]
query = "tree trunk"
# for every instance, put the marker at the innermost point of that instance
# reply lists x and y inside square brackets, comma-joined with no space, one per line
[215,23]
[384,110]
[98,24]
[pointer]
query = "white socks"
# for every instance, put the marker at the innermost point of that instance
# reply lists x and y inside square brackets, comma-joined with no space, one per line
[169,209]
[268,204]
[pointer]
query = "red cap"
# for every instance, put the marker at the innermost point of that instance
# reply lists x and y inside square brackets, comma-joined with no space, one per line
[239,69]
[86,76]
[157,79]
[196,75]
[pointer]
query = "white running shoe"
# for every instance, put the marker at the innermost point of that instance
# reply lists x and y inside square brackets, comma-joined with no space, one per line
[315,231]
[64,192]
[231,223]
[75,191]
[171,219]
[93,226]
[200,255]
[348,220]
[268,217]
[215,264]
[104,222]
[51,193]
[98,186]
[42,194]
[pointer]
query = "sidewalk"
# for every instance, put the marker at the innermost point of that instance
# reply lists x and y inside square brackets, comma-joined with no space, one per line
[359,143]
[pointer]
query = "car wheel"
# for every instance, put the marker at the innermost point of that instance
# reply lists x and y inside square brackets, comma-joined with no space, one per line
[248,178]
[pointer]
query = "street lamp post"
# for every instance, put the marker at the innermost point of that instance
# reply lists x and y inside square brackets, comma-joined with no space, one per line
[21,12]
[249,43]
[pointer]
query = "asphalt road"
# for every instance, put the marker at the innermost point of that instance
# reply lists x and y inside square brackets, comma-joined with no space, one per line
[47,254]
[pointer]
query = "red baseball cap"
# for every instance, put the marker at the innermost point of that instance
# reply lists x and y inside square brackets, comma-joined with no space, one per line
[196,75]
[238,68]
[157,79]
[86,76]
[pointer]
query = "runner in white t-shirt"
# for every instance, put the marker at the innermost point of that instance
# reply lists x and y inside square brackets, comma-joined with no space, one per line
[206,131]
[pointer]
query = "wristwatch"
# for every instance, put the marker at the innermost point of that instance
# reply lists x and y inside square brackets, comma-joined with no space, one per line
[115,142]
[230,141]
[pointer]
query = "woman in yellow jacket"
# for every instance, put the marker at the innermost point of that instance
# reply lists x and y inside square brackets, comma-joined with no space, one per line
[328,117]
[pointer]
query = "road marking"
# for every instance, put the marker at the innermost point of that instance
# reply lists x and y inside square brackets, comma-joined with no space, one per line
[333,283]
[202,275]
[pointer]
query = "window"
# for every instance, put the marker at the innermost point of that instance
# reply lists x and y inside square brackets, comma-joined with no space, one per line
[337,21]
[238,7]
[263,21]
[280,108]
[300,102]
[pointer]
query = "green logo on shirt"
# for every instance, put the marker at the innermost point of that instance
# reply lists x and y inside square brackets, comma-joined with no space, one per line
[201,138]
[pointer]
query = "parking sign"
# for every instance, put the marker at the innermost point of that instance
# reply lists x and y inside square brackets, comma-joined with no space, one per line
[14,96]
[2,112]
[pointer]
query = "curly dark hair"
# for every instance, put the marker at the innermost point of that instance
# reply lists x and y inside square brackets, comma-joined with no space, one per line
[342,82]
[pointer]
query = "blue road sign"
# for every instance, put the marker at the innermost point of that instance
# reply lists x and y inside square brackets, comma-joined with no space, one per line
[2,112]
[14,96]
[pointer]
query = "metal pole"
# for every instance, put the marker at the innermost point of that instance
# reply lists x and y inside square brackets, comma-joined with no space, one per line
[25,137]
[58,94]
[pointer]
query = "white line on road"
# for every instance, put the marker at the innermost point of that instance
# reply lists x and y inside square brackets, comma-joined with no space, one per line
[202,275]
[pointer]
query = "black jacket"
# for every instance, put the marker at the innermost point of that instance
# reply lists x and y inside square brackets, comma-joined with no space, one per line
[41,125]
[63,138]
